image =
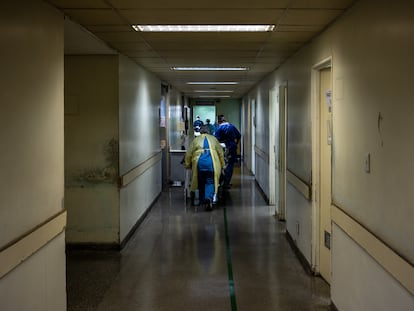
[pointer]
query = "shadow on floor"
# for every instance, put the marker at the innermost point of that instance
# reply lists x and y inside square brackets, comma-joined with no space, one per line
[90,274]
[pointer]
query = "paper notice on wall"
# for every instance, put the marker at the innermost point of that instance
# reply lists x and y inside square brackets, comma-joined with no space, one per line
[328,95]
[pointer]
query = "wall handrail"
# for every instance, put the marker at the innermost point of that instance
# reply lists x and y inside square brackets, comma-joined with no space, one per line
[261,153]
[17,251]
[140,169]
[300,185]
[393,262]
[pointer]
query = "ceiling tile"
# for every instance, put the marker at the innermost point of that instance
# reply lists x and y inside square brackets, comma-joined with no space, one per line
[79,4]
[309,17]
[182,4]
[131,46]
[110,28]
[202,16]
[121,36]
[322,4]
[144,54]
[297,21]
[94,16]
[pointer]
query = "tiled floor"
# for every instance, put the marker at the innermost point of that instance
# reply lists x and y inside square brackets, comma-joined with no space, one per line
[235,257]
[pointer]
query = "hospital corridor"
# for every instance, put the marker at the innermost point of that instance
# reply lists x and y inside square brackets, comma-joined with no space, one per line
[215,155]
[236,257]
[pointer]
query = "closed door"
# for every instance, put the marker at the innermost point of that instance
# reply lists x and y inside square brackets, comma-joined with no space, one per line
[253,127]
[282,153]
[325,164]
[273,129]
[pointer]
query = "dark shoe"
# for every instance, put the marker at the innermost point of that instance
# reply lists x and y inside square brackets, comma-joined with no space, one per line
[208,205]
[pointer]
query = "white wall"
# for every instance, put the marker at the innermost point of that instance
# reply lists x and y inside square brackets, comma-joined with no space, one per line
[38,283]
[360,283]
[31,157]
[298,215]
[261,97]
[245,130]
[111,128]
[139,100]
[371,48]
[91,148]
[175,120]
[138,196]
[381,200]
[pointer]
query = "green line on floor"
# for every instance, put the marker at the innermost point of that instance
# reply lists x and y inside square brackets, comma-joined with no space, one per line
[229,265]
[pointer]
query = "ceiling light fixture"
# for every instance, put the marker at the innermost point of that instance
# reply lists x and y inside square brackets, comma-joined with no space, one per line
[210,68]
[212,91]
[204,28]
[213,83]
[214,96]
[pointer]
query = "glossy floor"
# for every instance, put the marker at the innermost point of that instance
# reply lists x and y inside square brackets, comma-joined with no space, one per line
[235,257]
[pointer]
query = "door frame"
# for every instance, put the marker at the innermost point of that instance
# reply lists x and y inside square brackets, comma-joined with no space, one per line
[282,146]
[273,163]
[277,148]
[316,146]
[253,135]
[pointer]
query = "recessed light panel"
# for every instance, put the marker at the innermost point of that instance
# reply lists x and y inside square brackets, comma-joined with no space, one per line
[213,83]
[213,91]
[210,68]
[204,28]
[214,96]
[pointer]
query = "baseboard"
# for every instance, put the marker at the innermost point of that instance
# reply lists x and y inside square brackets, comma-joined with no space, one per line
[138,223]
[262,192]
[92,246]
[302,259]
[112,246]
[333,307]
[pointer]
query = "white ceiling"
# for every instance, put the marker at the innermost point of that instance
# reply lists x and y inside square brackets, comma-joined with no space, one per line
[297,22]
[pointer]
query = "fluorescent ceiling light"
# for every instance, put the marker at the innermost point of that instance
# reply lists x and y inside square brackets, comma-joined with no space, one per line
[213,91]
[212,83]
[210,68]
[204,28]
[213,96]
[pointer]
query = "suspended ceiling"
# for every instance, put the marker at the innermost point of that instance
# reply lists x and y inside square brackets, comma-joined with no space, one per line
[297,22]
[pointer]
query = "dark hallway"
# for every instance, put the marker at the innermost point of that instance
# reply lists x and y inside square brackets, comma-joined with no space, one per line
[236,257]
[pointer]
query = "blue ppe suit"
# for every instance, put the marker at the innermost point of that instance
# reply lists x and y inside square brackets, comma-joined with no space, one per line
[228,134]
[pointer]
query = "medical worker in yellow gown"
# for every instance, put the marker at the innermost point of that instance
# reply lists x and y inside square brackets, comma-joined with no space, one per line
[206,159]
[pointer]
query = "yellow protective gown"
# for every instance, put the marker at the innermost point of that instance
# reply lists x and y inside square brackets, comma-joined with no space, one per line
[193,154]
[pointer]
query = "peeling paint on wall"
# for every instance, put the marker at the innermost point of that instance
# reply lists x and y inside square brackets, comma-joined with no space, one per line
[98,175]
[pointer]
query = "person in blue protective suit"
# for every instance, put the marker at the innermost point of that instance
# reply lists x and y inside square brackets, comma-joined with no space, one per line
[211,126]
[228,134]
[198,122]
[206,158]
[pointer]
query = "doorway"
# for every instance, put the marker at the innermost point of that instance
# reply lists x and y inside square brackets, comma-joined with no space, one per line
[253,127]
[277,149]
[282,105]
[273,142]
[322,166]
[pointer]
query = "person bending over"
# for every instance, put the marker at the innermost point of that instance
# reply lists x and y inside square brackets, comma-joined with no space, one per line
[205,157]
